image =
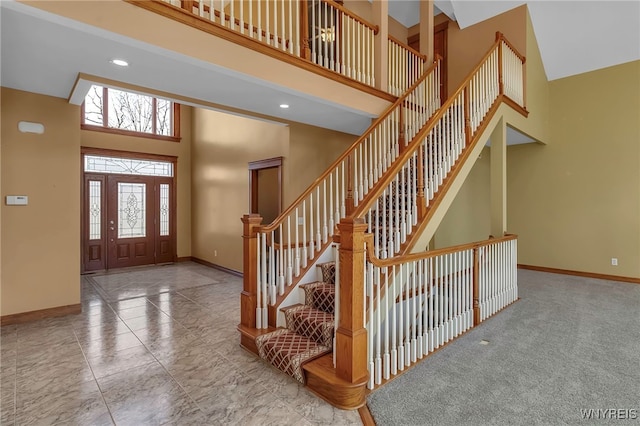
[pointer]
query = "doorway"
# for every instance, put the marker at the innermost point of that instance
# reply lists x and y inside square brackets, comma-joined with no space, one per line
[265,186]
[128,210]
[440,49]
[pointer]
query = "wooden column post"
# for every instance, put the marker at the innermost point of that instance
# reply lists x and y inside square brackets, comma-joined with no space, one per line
[422,204]
[351,336]
[500,77]
[305,50]
[349,203]
[248,302]
[476,286]
[467,115]
[187,5]
[401,136]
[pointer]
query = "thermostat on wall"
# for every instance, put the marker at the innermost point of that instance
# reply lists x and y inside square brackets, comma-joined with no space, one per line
[17,200]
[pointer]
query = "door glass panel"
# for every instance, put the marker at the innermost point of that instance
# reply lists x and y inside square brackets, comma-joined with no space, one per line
[131,210]
[94,209]
[164,209]
[127,166]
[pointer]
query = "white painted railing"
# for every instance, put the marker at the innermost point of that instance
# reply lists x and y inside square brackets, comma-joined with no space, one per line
[341,41]
[417,303]
[498,279]
[296,238]
[394,208]
[513,73]
[405,66]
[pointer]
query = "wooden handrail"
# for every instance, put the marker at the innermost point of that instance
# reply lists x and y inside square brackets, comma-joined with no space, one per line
[349,13]
[277,221]
[373,195]
[371,256]
[407,47]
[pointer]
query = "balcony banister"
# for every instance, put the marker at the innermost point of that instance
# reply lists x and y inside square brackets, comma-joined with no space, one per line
[349,13]
[407,47]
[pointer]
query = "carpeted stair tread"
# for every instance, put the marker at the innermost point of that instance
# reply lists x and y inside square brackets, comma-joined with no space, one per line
[320,295]
[288,351]
[312,323]
[328,270]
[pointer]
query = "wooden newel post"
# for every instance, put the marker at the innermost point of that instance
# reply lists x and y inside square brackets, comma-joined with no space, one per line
[476,286]
[422,204]
[351,336]
[499,37]
[349,203]
[401,137]
[248,302]
[305,50]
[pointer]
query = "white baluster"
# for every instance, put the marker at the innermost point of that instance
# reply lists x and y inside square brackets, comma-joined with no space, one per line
[297,244]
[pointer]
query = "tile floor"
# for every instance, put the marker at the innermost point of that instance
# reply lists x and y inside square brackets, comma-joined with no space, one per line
[153,346]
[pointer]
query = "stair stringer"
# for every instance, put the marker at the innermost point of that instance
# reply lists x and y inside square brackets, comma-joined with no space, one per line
[427,227]
[295,295]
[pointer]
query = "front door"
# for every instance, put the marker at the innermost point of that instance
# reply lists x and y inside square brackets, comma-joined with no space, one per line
[127,219]
[130,221]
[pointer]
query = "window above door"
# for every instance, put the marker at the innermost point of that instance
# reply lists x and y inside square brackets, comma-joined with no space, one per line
[122,112]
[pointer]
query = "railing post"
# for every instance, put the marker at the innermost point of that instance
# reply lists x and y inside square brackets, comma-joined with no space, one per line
[351,336]
[349,203]
[499,37]
[422,205]
[305,51]
[476,286]
[248,302]
[401,136]
[467,114]
[187,5]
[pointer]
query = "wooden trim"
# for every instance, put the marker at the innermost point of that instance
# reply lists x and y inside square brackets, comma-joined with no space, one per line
[440,27]
[323,380]
[365,416]
[172,12]
[40,314]
[212,265]
[127,154]
[371,257]
[254,168]
[345,155]
[500,36]
[349,13]
[122,132]
[407,47]
[595,275]
[413,39]
[184,259]
[248,337]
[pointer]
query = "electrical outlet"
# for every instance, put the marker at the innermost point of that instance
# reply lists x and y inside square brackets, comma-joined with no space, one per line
[215,253]
[614,261]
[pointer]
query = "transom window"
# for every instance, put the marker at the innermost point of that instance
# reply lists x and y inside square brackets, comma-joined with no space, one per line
[118,110]
[127,166]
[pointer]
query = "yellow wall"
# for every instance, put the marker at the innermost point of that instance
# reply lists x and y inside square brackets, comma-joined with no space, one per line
[466,47]
[182,150]
[40,241]
[223,145]
[469,217]
[575,203]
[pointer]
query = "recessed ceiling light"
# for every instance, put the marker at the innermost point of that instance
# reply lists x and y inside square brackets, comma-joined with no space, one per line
[120,62]
[285,106]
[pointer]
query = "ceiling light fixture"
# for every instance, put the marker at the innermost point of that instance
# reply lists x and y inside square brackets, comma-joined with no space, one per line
[120,62]
[284,106]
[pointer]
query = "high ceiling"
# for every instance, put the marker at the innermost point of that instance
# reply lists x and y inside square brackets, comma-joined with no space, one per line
[43,53]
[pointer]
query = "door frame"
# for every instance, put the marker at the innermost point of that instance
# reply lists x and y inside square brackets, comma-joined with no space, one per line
[254,168]
[125,154]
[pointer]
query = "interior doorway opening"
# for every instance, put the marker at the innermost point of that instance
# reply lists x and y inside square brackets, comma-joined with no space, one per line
[265,186]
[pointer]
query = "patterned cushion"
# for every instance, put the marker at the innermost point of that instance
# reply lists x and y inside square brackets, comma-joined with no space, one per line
[312,323]
[328,272]
[321,296]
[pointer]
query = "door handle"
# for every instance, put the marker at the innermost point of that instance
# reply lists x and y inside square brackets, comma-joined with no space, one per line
[112,228]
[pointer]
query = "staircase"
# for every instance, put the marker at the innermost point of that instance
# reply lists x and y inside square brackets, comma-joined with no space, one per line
[309,328]
[394,181]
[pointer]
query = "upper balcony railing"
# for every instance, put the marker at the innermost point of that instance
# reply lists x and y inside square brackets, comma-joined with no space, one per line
[322,32]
